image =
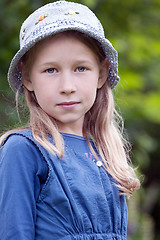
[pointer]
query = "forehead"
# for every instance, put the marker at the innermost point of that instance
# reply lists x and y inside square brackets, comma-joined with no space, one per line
[69,37]
[92,43]
[63,35]
[64,49]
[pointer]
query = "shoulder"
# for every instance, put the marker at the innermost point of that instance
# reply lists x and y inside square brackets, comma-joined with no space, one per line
[18,136]
[17,141]
[19,148]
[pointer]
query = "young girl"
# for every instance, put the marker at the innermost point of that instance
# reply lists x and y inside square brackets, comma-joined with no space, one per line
[65,176]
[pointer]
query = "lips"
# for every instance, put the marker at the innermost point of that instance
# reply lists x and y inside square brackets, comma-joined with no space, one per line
[68,105]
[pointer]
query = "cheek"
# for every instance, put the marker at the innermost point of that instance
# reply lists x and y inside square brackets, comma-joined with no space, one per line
[44,98]
[90,94]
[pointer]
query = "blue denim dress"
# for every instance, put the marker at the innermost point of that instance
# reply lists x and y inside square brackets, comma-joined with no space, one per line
[43,197]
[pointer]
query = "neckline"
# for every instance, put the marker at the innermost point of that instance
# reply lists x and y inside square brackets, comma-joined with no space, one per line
[70,135]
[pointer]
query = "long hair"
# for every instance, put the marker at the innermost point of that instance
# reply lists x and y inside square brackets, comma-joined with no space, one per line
[102,123]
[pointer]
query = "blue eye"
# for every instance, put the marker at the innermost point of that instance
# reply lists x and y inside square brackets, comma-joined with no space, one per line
[81,69]
[51,70]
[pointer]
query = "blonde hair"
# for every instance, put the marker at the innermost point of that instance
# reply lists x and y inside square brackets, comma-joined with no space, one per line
[102,123]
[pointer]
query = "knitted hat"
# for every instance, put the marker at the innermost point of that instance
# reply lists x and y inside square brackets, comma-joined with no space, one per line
[58,17]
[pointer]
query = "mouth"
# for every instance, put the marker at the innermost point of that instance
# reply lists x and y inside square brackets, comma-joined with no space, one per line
[68,105]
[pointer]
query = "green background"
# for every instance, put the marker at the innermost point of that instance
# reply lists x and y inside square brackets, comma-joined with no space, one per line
[133,26]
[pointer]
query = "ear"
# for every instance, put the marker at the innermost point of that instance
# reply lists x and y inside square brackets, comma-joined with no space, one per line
[103,73]
[25,77]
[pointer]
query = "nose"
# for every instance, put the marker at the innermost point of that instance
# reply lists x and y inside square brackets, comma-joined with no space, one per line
[67,83]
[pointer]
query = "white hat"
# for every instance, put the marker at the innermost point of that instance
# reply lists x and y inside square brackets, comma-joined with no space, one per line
[58,17]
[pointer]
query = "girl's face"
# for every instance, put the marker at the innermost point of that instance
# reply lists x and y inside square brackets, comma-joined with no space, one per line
[65,76]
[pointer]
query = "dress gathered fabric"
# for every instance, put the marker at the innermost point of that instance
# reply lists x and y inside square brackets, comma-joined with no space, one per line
[45,197]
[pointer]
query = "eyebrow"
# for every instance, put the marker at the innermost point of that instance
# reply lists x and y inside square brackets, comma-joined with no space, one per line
[48,63]
[77,62]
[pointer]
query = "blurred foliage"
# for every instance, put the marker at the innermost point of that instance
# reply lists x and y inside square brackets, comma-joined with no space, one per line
[133,28]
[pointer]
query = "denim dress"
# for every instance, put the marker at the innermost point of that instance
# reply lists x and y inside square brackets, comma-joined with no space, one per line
[43,197]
